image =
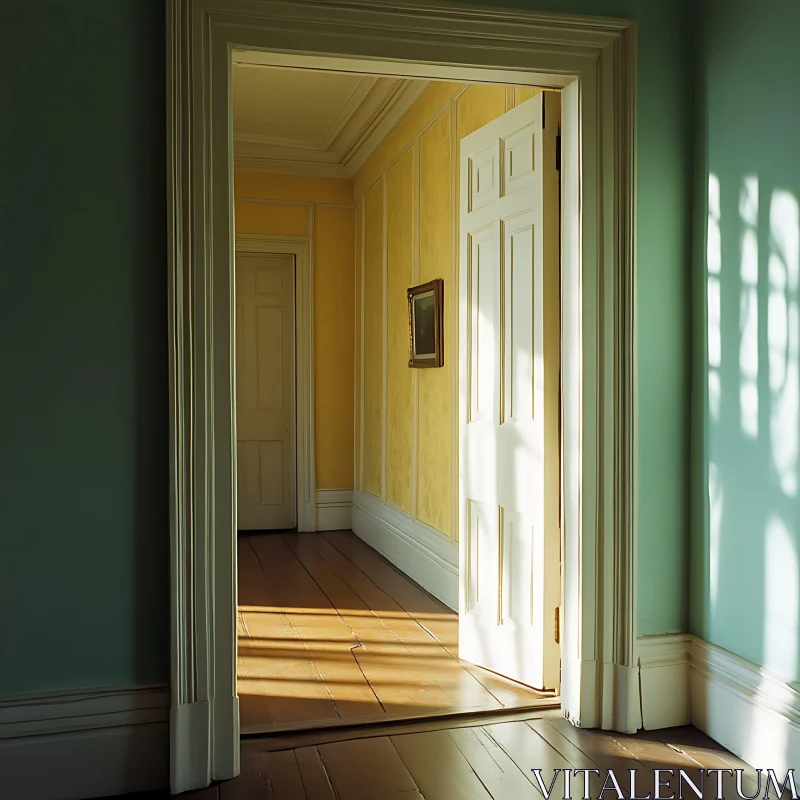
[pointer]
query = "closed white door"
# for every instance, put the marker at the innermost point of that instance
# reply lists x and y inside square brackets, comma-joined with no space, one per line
[509,374]
[265,391]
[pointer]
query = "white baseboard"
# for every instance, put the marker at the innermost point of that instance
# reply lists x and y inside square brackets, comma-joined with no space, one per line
[85,744]
[424,554]
[744,707]
[752,712]
[334,509]
[664,680]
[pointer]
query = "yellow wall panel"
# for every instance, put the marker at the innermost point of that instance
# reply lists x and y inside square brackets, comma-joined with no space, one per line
[334,312]
[429,121]
[419,115]
[359,228]
[399,379]
[275,186]
[272,218]
[523,93]
[434,434]
[479,105]
[373,339]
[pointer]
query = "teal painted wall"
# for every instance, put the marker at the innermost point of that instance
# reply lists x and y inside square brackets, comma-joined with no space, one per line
[84,474]
[745,543]
[83,483]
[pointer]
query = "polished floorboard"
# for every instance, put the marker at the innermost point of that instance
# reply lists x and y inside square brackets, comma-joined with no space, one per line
[465,760]
[331,634]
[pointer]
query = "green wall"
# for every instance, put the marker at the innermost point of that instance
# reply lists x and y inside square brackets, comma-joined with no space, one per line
[84,474]
[83,489]
[745,544]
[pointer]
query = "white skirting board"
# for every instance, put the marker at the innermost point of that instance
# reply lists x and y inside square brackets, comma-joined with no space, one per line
[744,707]
[664,680]
[85,744]
[422,553]
[334,509]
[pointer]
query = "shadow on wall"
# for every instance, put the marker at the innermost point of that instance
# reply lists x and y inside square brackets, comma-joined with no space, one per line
[746,550]
[753,338]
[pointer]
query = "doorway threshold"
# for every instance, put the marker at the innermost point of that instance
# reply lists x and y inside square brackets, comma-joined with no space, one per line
[327,733]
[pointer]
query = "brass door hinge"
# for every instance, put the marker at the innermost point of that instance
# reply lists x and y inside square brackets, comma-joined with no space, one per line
[557,628]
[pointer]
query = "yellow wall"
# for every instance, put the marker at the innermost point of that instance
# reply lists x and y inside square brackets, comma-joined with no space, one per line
[434,424]
[373,339]
[358,377]
[399,276]
[408,242]
[322,208]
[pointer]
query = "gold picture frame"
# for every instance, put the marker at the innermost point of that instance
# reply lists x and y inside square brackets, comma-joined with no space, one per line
[425,326]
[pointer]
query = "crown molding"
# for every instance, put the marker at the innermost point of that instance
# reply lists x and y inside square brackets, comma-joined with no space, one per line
[264,149]
[367,87]
[401,98]
[255,163]
[364,121]
[282,142]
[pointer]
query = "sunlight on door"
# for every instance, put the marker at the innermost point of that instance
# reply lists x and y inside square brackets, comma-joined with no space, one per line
[510,353]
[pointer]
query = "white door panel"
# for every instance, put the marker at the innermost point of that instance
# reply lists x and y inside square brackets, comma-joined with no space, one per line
[265,393]
[509,351]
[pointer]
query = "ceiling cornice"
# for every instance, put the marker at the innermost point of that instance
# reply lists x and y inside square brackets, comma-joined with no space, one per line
[374,107]
[362,94]
[249,163]
[395,106]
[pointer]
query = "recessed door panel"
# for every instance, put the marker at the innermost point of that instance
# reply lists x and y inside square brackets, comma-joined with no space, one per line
[483,183]
[483,304]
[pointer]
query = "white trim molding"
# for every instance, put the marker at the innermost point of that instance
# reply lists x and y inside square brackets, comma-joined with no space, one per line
[593,61]
[334,509]
[744,707]
[421,552]
[300,247]
[664,679]
[93,743]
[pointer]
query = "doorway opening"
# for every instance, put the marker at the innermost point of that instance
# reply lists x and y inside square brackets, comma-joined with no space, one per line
[425,580]
[593,62]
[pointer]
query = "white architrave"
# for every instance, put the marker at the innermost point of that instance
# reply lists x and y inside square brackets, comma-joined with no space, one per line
[300,248]
[593,62]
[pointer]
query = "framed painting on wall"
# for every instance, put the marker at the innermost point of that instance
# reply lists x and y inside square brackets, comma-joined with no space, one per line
[426,343]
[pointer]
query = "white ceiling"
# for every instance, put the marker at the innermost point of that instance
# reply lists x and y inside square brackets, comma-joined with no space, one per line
[314,122]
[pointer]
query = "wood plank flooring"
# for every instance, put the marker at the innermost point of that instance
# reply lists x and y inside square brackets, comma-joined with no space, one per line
[351,672]
[331,634]
[435,760]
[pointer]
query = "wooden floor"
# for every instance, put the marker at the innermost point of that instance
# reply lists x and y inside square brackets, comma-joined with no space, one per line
[331,634]
[437,760]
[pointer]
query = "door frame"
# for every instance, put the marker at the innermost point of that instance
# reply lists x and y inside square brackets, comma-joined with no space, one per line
[303,390]
[593,61]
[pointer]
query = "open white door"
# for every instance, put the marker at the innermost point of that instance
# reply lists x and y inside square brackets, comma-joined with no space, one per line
[509,328]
